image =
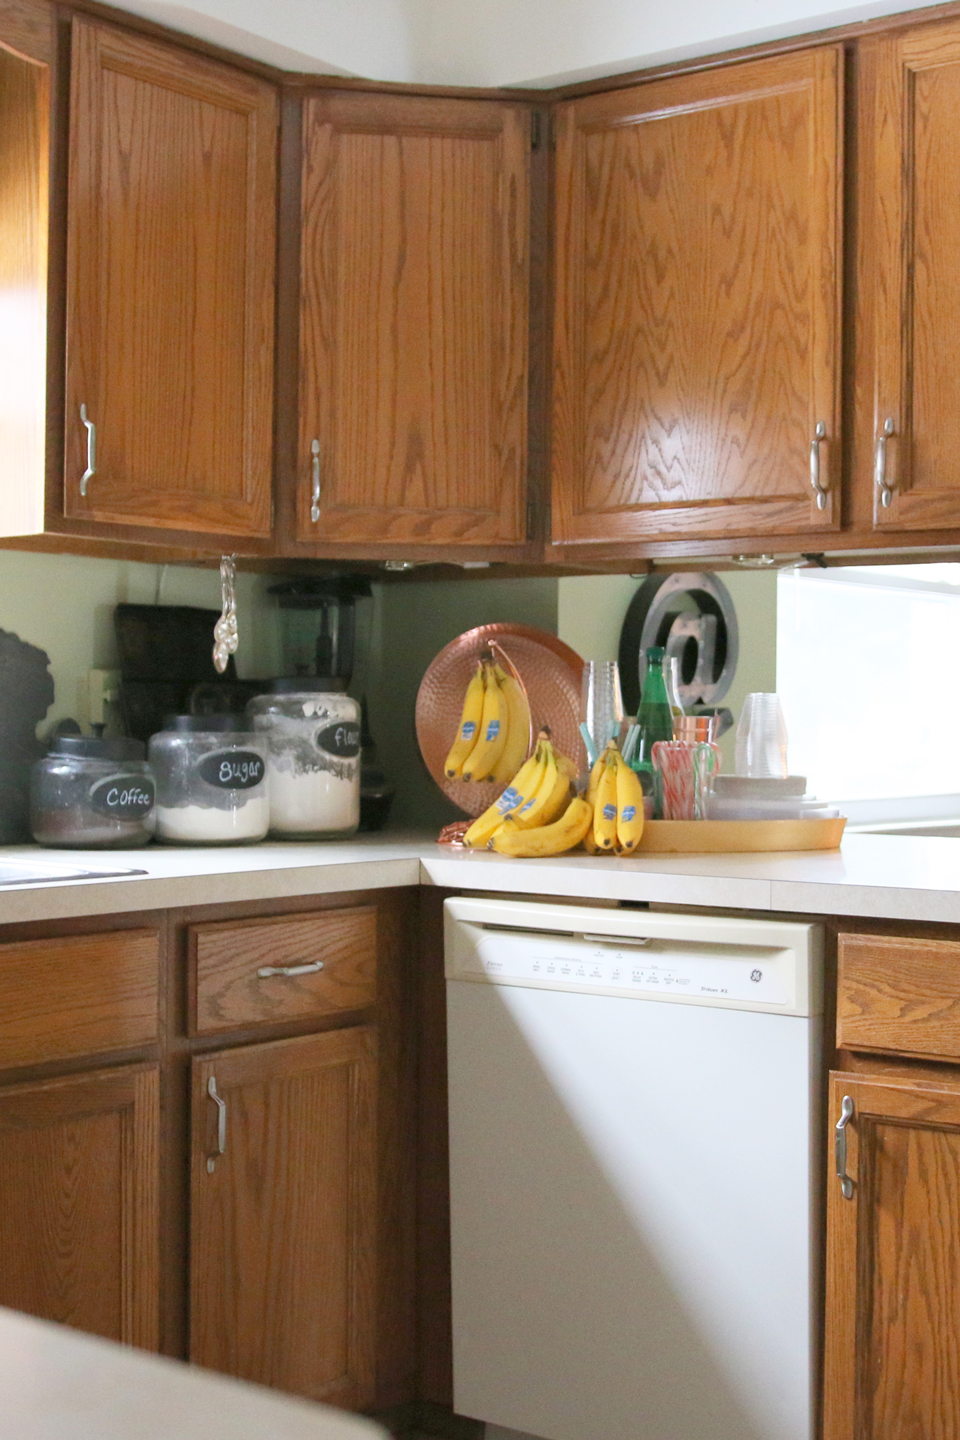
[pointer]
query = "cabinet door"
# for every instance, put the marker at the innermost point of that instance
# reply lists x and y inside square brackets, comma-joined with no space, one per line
[413,321]
[79,1176]
[283,1230]
[892,1354]
[172,202]
[910,277]
[697,321]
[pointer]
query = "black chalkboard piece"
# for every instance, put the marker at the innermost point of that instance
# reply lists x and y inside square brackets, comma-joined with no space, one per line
[26,694]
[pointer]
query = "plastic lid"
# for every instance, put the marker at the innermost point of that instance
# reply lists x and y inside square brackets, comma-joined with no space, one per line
[308,685]
[656,652]
[206,724]
[89,747]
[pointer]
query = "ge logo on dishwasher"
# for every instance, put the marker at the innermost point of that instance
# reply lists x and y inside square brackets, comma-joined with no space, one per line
[756,976]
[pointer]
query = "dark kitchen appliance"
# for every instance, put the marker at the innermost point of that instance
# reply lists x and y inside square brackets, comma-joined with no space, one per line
[318,623]
[165,652]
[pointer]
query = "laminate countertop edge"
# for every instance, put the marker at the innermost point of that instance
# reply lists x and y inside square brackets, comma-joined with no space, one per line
[882,877]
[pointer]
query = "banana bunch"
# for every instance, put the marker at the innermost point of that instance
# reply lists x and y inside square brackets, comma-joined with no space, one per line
[615,797]
[537,796]
[494,732]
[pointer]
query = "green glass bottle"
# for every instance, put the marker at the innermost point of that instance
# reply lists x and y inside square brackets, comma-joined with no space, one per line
[655,719]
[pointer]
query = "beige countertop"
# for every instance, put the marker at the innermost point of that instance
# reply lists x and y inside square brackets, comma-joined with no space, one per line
[872,876]
[56,1384]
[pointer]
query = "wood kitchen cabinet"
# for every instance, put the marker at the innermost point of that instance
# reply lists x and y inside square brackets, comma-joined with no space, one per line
[170,288]
[283,1214]
[80,1182]
[909,278]
[696,376]
[414,301]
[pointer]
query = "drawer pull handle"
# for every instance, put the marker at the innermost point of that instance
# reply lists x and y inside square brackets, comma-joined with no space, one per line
[315,481]
[820,433]
[221,1105]
[880,462]
[309,969]
[91,469]
[840,1148]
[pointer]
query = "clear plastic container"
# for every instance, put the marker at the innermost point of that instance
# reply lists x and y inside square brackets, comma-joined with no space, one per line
[211,774]
[90,794]
[313,758]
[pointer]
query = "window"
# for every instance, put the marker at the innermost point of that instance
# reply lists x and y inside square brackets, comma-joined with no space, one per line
[868,675]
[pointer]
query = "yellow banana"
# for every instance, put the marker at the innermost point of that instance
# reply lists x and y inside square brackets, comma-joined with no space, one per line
[467,733]
[629,808]
[605,806]
[599,765]
[531,813]
[524,784]
[518,728]
[564,834]
[492,734]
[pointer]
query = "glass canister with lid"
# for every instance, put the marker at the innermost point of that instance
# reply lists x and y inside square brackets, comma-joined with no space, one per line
[313,758]
[211,776]
[92,794]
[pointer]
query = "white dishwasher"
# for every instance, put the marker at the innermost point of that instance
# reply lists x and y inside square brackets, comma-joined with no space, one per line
[634,1165]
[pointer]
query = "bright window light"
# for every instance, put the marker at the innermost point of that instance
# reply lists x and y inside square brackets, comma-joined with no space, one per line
[868,678]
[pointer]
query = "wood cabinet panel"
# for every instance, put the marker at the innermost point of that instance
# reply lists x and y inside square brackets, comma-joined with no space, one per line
[892,1352]
[283,1239]
[697,321]
[228,991]
[910,262]
[78,995]
[79,1176]
[413,320]
[899,994]
[171,267]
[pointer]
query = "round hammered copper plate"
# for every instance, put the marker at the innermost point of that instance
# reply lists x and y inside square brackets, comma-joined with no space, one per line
[550,672]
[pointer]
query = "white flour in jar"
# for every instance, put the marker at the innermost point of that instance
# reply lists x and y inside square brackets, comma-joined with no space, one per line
[312,801]
[208,825]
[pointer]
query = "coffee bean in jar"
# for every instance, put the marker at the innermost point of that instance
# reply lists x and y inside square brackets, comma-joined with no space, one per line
[91,794]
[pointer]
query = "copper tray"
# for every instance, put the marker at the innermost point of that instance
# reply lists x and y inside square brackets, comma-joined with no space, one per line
[549,671]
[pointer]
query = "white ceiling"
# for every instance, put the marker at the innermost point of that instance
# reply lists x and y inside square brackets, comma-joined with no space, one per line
[494,42]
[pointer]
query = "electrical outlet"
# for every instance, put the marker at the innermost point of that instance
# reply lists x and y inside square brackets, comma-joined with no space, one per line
[103,689]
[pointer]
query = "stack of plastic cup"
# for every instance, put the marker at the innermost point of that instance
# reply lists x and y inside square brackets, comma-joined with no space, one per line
[761,748]
[601,704]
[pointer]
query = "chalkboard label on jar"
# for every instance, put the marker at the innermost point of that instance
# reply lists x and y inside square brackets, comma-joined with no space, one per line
[341,739]
[123,797]
[232,769]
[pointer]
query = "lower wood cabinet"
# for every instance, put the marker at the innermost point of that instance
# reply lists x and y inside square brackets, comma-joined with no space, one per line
[79,1185]
[892,1351]
[284,1214]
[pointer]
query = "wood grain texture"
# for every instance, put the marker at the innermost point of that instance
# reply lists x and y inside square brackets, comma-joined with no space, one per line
[26,29]
[172,209]
[414,319]
[899,994]
[912,218]
[892,1350]
[226,991]
[697,314]
[283,1238]
[79,1176]
[24,219]
[79,995]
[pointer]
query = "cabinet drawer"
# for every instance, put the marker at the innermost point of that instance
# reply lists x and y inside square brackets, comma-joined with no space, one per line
[77,995]
[900,994]
[327,960]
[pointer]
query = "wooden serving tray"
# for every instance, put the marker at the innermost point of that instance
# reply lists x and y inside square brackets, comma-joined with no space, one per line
[715,837]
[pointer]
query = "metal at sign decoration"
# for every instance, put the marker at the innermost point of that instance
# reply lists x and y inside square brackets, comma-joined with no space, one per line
[693,617]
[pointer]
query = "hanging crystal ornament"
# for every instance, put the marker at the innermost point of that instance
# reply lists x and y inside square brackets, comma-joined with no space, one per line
[226,636]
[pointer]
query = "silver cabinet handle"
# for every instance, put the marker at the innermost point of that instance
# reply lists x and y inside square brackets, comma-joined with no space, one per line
[91,469]
[221,1105]
[840,1148]
[820,433]
[880,463]
[315,472]
[309,969]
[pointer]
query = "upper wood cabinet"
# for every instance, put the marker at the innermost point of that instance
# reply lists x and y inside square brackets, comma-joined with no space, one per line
[413,321]
[697,319]
[171,268]
[910,277]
